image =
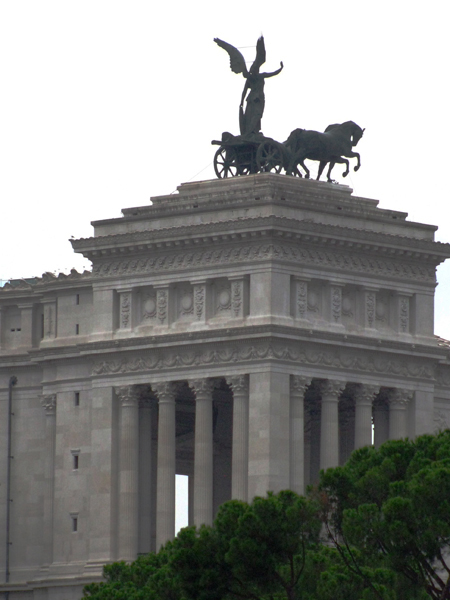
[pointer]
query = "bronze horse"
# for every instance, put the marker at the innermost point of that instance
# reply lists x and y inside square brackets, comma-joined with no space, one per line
[329,147]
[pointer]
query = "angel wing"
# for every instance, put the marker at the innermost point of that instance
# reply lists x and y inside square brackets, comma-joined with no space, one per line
[260,55]
[237,62]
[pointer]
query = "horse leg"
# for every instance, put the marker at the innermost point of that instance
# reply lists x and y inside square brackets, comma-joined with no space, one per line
[305,168]
[322,166]
[330,168]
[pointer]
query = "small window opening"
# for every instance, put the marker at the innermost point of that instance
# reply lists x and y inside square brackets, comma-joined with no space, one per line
[77,300]
[77,329]
[74,524]
[75,462]
[19,329]
[76,399]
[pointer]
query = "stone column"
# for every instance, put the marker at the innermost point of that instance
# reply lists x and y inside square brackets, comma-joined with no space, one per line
[364,396]
[203,452]
[128,473]
[398,402]
[329,423]
[380,422]
[297,433]
[239,469]
[165,490]
[145,471]
[49,404]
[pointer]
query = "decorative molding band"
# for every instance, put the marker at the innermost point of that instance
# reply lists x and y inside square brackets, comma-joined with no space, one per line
[329,259]
[234,354]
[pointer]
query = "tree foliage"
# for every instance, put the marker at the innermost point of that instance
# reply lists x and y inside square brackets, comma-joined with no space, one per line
[392,504]
[377,528]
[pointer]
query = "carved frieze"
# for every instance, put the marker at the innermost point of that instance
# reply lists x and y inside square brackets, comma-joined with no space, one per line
[403,316]
[441,420]
[125,310]
[301,299]
[173,358]
[162,306]
[336,303]
[328,259]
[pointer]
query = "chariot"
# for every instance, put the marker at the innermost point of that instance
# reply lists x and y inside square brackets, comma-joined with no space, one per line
[244,155]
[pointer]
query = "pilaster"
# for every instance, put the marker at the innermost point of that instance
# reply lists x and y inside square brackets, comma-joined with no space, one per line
[49,404]
[129,473]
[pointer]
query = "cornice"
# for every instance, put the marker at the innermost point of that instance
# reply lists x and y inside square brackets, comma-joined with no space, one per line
[302,230]
[216,336]
[47,283]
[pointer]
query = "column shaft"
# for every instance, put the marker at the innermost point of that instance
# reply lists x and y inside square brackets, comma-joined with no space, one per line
[363,414]
[398,401]
[145,475]
[49,403]
[165,493]
[329,424]
[128,475]
[297,434]
[203,453]
[239,470]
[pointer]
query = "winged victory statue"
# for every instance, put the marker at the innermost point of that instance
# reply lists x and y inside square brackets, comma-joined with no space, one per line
[250,119]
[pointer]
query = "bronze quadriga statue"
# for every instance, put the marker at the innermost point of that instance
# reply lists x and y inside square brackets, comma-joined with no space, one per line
[252,152]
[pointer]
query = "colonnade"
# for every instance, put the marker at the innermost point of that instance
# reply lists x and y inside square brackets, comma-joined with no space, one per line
[383,408]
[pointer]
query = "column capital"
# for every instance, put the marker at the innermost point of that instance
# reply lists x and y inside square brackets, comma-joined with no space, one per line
[238,383]
[365,393]
[399,398]
[48,402]
[127,395]
[202,388]
[332,387]
[165,391]
[299,383]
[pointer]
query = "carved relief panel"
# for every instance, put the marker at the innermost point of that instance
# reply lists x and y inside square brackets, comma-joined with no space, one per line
[314,301]
[221,298]
[147,306]
[184,302]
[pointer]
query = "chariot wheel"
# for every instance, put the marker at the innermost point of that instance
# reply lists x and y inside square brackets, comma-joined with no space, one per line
[269,158]
[226,163]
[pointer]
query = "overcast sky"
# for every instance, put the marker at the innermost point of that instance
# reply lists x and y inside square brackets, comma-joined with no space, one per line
[106,103]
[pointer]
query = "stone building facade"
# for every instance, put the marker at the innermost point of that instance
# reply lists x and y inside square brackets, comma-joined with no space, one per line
[245,332]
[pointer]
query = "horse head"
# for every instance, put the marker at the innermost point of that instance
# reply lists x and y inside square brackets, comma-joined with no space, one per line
[357,133]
